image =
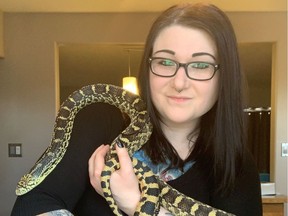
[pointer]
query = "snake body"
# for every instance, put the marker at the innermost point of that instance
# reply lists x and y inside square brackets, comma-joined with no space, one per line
[154,191]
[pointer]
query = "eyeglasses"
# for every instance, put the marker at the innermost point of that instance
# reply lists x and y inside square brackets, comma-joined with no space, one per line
[197,70]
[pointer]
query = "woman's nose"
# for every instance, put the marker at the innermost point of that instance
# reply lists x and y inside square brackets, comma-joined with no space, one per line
[180,79]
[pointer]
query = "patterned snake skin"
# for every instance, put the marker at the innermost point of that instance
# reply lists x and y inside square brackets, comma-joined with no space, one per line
[155,192]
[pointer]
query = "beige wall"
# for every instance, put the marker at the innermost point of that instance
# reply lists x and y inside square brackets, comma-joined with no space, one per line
[28,80]
[1,34]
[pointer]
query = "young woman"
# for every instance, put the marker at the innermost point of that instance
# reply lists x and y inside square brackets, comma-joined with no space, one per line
[190,78]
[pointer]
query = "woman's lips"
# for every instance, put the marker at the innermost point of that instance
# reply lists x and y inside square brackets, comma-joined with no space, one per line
[179,99]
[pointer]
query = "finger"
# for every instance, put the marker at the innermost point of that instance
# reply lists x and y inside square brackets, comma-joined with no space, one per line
[99,161]
[124,159]
[96,165]
[92,159]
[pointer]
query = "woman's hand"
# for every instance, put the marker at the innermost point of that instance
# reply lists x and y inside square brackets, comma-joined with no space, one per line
[95,167]
[123,182]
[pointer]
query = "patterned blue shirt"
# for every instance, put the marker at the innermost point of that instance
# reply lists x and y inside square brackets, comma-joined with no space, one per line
[161,169]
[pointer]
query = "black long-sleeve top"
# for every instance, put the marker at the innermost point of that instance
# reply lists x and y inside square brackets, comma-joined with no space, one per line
[68,186]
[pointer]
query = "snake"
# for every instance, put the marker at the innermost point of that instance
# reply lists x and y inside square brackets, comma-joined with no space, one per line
[154,191]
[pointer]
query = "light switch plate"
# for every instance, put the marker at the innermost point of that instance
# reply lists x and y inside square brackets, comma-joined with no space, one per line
[14,149]
[284,150]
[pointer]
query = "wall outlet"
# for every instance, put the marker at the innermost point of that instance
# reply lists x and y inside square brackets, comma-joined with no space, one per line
[284,150]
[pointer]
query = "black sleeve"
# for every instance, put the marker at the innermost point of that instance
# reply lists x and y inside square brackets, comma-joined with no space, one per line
[64,187]
[245,200]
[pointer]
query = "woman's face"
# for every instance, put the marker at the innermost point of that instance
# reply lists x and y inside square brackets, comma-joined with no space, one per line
[180,100]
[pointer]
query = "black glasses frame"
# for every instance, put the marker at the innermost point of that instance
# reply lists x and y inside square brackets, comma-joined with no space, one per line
[184,65]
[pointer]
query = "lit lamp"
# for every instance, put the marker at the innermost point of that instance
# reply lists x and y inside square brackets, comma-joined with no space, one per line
[130,82]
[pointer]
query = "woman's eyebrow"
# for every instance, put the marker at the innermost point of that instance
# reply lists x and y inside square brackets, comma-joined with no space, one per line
[193,55]
[165,51]
[203,53]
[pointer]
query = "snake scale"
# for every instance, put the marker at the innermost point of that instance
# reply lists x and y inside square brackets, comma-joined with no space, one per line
[154,191]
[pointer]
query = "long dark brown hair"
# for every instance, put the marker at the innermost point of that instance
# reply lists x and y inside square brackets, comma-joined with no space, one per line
[220,143]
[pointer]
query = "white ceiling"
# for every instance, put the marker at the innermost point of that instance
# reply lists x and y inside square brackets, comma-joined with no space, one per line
[132,5]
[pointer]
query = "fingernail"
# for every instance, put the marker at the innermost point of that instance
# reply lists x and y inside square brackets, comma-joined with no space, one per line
[119,144]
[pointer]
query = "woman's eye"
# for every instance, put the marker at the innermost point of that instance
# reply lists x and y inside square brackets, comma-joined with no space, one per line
[199,65]
[167,62]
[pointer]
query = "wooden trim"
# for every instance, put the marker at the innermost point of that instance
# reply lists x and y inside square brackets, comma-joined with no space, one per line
[274,199]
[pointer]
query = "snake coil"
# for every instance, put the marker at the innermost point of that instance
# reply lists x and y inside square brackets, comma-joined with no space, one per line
[154,191]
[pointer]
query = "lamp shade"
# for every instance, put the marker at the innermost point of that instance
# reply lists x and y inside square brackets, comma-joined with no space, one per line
[130,84]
